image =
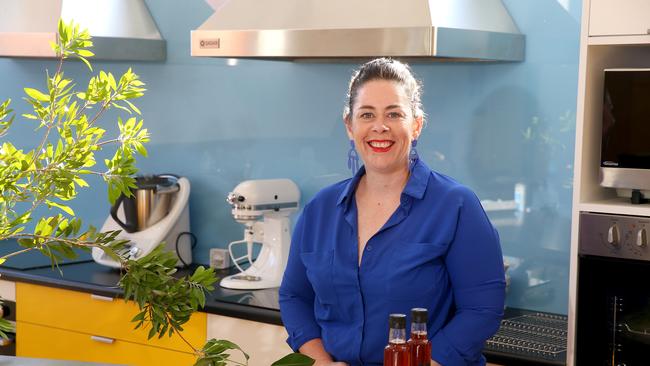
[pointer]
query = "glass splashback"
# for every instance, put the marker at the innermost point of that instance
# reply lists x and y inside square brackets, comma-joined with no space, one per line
[506,130]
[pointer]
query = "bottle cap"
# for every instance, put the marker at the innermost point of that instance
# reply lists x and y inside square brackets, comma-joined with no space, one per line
[419,315]
[397,321]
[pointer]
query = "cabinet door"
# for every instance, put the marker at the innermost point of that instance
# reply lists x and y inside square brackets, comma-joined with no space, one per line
[264,343]
[44,342]
[98,315]
[8,290]
[619,17]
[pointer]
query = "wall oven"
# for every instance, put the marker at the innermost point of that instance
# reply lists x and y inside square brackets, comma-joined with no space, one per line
[8,312]
[613,295]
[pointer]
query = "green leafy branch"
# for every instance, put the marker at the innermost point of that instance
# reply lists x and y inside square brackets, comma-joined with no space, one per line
[165,302]
[51,174]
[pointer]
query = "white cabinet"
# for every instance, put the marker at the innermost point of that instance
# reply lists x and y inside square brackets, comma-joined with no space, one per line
[619,17]
[264,343]
[8,290]
[614,35]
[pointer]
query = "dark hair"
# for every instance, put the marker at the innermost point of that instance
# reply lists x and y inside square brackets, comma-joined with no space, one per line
[385,69]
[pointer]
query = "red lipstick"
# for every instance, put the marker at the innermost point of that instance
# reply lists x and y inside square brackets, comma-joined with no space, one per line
[381,146]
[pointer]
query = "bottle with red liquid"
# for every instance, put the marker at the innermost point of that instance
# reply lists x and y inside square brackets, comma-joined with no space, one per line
[396,353]
[418,343]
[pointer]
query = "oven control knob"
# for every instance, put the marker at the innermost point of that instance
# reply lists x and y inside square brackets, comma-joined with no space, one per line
[613,237]
[642,238]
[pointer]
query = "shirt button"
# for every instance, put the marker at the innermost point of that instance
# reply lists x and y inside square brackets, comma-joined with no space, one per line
[368,247]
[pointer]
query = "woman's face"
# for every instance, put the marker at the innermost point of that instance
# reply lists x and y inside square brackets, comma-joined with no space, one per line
[382,126]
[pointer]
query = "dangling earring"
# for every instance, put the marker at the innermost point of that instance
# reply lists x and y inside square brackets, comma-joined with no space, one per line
[413,155]
[353,158]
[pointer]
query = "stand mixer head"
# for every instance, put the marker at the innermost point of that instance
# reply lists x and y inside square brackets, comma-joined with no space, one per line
[271,200]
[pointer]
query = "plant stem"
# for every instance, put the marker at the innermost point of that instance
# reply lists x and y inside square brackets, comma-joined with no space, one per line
[180,334]
[107,142]
[104,107]
[49,239]
[18,252]
[51,116]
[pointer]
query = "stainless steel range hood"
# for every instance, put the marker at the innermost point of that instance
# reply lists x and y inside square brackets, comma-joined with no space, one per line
[121,29]
[454,30]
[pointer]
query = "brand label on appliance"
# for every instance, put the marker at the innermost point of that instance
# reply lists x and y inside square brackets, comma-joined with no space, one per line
[210,43]
[610,163]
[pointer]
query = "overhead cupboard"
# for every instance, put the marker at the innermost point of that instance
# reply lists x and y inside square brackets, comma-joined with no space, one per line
[615,35]
[619,18]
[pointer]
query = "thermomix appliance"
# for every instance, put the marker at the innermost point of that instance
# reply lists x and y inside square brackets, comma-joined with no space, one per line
[157,212]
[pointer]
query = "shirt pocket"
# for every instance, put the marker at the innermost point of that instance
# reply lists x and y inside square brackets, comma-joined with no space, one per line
[416,270]
[320,270]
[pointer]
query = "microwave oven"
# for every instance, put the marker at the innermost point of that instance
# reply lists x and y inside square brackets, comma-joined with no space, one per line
[625,147]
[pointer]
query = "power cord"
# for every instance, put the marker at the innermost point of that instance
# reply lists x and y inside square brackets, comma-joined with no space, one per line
[193,240]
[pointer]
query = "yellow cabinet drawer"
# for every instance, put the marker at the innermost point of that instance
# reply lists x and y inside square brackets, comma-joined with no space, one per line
[44,342]
[96,315]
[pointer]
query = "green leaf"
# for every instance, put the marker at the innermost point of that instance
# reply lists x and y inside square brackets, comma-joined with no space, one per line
[64,208]
[85,53]
[121,107]
[83,59]
[294,359]
[133,107]
[80,182]
[6,327]
[141,150]
[35,94]
[63,83]
[27,243]
[217,346]
[62,31]
[152,333]
[139,317]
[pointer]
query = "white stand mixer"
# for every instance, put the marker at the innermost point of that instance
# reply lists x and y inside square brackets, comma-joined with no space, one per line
[273,200]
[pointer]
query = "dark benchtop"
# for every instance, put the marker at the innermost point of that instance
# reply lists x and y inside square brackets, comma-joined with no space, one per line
[88,276]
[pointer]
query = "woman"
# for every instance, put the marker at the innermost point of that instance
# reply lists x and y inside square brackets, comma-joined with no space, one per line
[395,236]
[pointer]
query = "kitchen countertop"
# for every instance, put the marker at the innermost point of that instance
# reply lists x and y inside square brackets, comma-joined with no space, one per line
[88,276]
[255,305]
[24,361]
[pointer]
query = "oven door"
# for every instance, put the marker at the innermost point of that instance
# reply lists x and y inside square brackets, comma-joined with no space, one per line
[613,312]
[8,312]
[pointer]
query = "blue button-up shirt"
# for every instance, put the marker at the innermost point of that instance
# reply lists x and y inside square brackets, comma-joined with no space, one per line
[438,251]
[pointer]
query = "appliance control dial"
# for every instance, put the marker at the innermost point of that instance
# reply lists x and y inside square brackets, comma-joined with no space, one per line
[613,236]
[642,238]
[134,252]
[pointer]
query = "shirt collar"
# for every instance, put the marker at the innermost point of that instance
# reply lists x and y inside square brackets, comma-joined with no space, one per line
[417,184]
[348,191]
[415,187]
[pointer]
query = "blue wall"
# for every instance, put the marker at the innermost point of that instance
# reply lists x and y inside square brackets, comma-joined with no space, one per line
[489,125]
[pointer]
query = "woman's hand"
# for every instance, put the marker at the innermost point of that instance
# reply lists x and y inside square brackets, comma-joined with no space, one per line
[314,349]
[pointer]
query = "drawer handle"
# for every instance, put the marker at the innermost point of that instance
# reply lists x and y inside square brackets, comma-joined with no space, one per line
[102,339]
[101,298]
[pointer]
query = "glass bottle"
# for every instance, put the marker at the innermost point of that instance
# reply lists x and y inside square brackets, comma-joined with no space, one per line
[396,353]
[418,343]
